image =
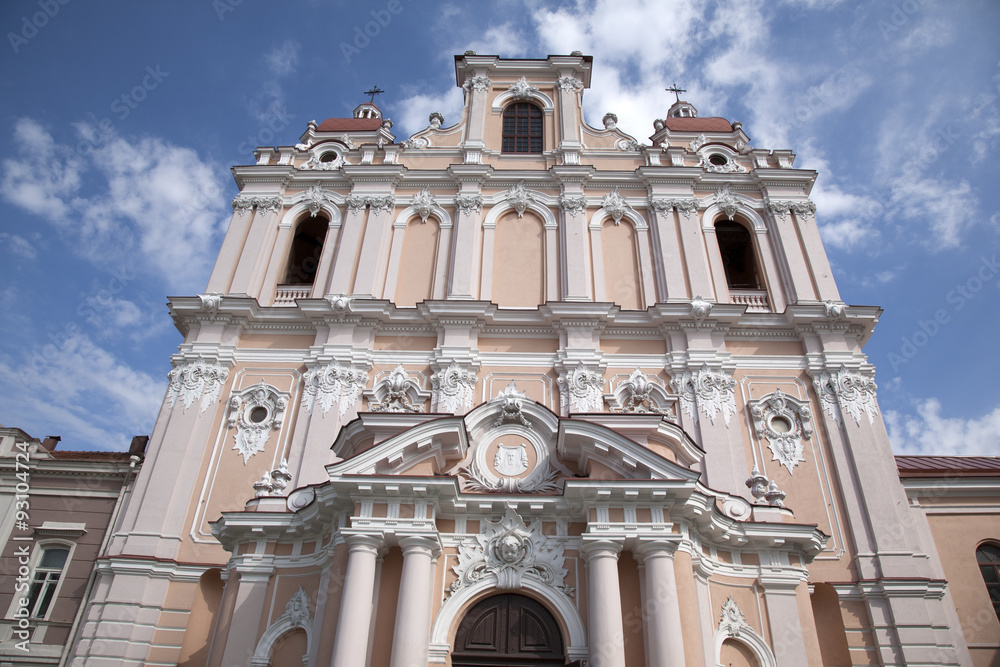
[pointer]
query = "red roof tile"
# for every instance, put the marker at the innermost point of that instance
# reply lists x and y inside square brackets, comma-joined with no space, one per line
[713,124]
[349,124]
[952,466]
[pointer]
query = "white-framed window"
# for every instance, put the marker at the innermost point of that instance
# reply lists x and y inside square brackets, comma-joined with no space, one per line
[45,579]
[48,563]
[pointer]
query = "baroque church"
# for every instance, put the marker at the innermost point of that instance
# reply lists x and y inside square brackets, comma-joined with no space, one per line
[519,390]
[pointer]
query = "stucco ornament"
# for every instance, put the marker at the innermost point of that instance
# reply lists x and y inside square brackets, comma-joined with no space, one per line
[569,83]
[510,551]
[615,205]
[730,167]
[332,384]
[610,121]
[784,422]
[800,208]
[732,621]
[727,201]
[522,90]
[423,204]
[469,203]
[573,205]
[254,412]
[355,203]
[509,458]
[314,198]
[697,143]
[710,390]
[852,391]
[510,407]
[453,388]
[580,390]
[395,389]
[435,119]
[664,206]
[297,609]
[519,198]
[479,84]
[700,308]
[757,483]
[244,203]
[273,483]
[637,391]
[381,204]
[416,143]
[196,380]
[629,145]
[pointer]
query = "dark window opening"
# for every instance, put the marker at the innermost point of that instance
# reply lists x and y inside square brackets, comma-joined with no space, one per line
[988,556]
[306,248]
[717,159]
[522,128]
[736,248]
[328,157]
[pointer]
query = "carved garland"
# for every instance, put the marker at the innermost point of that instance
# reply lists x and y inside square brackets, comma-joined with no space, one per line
[453,389]
[332,383]
[854,393]
[396,387]
[194,380]
[664,206]
[580,390]
[710,390]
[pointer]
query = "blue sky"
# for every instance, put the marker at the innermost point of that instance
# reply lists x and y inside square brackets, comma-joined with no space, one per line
[119,122]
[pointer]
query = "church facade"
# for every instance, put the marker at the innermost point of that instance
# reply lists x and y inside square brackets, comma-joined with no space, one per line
[519,390]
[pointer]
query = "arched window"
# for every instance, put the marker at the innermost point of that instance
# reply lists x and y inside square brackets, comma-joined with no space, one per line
[522,128]
[738,257]
[45,580]
[306,248]
[988,556]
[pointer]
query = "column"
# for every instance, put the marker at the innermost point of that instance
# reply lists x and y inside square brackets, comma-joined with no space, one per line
[350,646]
[241,640]
[663,632]
[604,604]
[347,249]
[411,634]
[786,625]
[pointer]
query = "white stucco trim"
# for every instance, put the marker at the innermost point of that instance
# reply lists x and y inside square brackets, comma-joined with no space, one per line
[714,213]
[751,640]
[501,100]
[269,640]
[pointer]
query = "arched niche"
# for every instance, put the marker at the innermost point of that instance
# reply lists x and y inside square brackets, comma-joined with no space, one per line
[519,261]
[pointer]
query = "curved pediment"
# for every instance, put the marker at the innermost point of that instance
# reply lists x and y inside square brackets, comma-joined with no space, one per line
[511,444]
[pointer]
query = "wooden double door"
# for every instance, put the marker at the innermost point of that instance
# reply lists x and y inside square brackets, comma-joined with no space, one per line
[510,630]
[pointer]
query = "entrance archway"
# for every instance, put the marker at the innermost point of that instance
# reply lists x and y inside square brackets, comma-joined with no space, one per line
[511,630]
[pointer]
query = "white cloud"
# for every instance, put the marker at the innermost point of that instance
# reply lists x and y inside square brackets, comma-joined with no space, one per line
[928,432]
[848,233]
[82,391]
[279,63]
[161,207]
[18,245]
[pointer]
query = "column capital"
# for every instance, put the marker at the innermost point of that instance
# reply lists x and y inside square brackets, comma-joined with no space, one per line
[781,585]
[650,548]
[601,548]
[364,542]
[429,545]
